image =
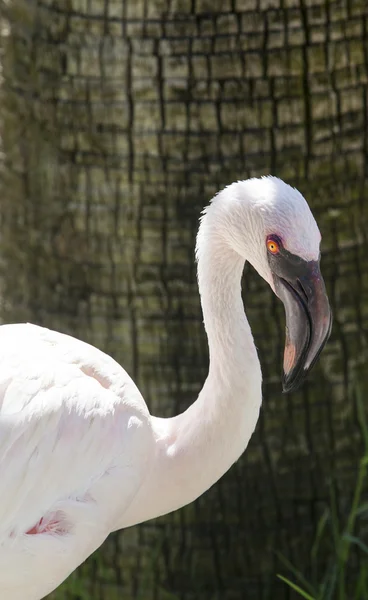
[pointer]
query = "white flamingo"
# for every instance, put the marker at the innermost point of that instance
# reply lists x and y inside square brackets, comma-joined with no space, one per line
[81,456]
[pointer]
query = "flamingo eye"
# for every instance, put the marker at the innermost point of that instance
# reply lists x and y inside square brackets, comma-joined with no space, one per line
[273,245]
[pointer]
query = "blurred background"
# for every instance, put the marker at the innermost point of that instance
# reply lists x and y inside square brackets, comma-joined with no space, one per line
[119,120]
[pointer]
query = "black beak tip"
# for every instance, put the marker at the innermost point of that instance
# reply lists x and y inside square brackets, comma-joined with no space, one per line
[286,388]
[291,383]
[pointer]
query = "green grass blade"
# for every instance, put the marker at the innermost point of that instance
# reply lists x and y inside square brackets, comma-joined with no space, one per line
[335,522]
[329,584]
[354,540]
[339,580]
[297,574]
[362,416]
[363,508]
[320,530]
[361,589]
[296,588]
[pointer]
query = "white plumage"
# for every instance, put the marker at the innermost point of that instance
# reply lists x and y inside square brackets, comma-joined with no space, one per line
[80,455]
[75,440]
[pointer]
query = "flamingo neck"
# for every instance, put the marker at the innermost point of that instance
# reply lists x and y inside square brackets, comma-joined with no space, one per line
[195,448]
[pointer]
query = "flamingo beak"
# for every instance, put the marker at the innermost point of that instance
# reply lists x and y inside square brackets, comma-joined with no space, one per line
[300,286]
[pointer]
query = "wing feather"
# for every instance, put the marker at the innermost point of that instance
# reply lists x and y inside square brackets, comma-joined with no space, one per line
[72,425]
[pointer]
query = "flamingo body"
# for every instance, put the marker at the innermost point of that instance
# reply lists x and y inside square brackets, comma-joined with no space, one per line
[80,455]
[64,399]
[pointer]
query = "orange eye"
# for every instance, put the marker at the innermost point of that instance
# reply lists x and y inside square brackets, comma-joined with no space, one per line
[273,246]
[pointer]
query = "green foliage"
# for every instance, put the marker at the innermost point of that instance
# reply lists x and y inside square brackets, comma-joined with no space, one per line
[345,573]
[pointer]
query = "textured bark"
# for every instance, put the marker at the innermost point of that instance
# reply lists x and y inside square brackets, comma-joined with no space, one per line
[120,120]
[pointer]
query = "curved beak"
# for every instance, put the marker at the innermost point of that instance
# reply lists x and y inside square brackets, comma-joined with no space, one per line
[300,286]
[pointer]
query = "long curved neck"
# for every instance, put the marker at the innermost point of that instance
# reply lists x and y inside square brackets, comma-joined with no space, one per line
[195,448]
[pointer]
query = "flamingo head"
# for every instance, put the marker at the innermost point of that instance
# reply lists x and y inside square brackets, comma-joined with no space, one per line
[270,224]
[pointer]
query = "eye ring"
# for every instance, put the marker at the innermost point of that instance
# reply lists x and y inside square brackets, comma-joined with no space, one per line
[273,244]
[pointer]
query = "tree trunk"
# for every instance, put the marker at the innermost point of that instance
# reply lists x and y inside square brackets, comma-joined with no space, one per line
[120,120]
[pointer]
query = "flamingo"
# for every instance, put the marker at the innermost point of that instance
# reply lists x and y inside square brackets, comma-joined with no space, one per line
[80,454]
